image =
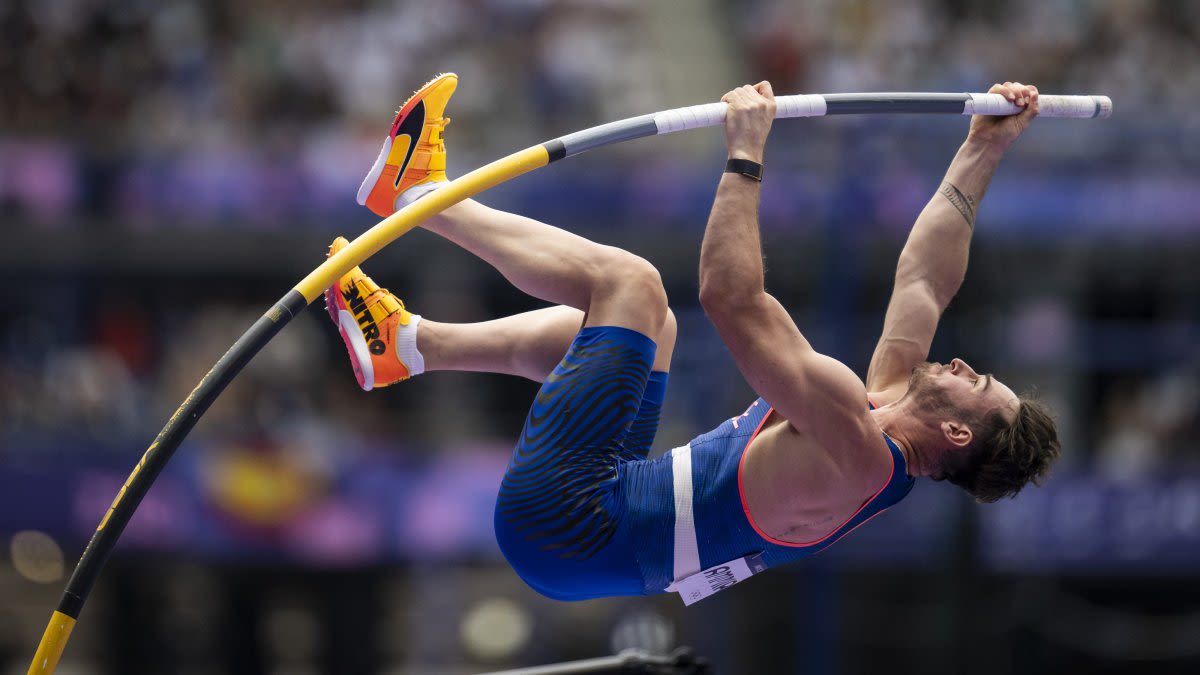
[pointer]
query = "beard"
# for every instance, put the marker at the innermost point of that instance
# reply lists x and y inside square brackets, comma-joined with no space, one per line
[927,395]
[932,402]
[919,374]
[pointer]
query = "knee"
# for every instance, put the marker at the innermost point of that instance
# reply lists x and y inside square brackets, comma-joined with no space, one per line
[666,336]
[638,285]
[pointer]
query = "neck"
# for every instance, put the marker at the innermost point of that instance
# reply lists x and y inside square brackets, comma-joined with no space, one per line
[902,427]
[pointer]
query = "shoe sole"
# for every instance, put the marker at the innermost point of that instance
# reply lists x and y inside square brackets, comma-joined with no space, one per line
[368,184]
[356,345]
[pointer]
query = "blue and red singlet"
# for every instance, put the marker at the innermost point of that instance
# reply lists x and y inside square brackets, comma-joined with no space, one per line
[583,514]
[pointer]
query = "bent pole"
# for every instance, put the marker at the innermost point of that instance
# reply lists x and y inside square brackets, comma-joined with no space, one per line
[113,523]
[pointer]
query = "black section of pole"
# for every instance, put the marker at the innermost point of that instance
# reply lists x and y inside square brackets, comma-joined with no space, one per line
[163,447]
[854,104]
[555,149]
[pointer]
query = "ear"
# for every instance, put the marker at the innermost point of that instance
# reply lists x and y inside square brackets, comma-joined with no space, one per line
[957,434]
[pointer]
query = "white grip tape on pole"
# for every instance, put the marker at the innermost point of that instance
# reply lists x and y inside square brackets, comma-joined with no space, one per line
[1079,107]
[691,117]
[713,114]
[799,105]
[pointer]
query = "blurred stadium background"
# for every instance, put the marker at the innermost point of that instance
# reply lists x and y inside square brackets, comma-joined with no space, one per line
[169,169]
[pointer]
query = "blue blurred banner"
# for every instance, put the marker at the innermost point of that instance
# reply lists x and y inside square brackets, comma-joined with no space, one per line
[1085,523]
[287,504]
[44,182]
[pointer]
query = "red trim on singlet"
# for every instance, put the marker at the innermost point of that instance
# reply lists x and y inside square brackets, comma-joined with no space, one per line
[793,544]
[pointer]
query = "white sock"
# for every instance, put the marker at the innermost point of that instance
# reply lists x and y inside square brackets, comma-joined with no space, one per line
[406,346]
[415,192]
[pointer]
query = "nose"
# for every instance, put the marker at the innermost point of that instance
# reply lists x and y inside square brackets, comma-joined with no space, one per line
[958,366]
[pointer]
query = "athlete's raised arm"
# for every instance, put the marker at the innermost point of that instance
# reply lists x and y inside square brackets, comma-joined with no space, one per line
[934,260]
[772,354]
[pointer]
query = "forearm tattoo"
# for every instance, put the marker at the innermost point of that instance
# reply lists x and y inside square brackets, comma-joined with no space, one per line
[961,201]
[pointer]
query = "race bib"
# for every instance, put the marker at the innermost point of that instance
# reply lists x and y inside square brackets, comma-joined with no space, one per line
[717,578]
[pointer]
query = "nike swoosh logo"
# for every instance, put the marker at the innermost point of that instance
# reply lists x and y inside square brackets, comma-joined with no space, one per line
[410,129]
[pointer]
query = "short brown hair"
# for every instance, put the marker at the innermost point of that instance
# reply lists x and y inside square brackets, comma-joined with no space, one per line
[1005,457]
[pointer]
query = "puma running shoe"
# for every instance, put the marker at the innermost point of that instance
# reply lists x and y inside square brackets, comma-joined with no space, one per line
[374,324]
[414,152]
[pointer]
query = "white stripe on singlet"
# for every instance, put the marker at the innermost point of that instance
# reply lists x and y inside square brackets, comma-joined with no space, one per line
[687,552]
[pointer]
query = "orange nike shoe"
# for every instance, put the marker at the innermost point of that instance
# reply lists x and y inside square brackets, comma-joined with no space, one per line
[414,152]
[375,326]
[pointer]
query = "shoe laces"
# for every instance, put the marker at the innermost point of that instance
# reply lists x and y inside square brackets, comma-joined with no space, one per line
[437,128]
[380,295]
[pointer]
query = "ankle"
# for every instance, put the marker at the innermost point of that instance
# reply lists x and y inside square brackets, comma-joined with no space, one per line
[407,349]
[415,192]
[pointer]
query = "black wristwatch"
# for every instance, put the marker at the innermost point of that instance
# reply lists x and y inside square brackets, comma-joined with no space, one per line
[746,167]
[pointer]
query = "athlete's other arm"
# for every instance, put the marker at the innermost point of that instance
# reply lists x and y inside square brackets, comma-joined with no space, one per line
[934,260]
[775,358]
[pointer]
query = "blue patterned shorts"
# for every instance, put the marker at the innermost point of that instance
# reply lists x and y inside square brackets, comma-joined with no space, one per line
[561,512]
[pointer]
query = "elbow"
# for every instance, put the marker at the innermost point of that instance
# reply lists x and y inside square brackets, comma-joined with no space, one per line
[719,299]
[729,286]
[713,295]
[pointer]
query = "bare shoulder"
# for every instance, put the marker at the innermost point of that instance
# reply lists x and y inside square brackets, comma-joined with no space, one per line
[858,447]
[825,398]
[839,432]
[833,417]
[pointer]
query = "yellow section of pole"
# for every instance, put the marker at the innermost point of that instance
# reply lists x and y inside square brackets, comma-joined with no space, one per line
[387,230]
[54,640]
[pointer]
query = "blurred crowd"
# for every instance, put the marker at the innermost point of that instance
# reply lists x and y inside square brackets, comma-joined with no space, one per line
[1127,48]
[261,116]
[255,109]
[147,111]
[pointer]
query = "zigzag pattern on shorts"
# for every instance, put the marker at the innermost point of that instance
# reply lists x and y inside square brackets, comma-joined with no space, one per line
[559,489]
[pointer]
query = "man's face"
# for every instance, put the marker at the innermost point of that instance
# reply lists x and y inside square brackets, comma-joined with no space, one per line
[958,385]
[948,393]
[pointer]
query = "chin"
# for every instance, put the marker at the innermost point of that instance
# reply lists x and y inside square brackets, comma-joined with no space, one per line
[919,375]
